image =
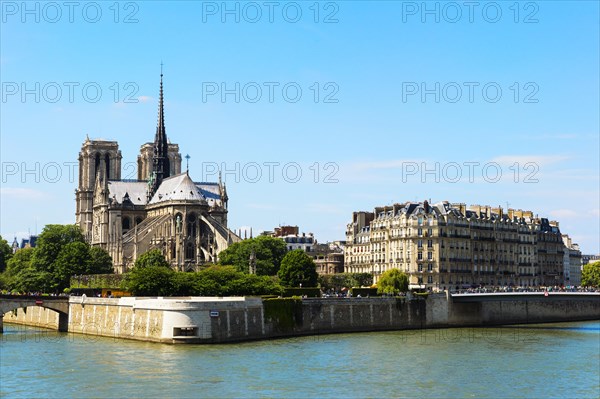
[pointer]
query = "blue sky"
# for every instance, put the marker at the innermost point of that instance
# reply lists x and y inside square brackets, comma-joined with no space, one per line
[389,101]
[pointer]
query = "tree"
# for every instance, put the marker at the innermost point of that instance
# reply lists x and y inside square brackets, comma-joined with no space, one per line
[269,252]
[154,257]
[72,259]
[590,275]
[61,252]
[298,268]
[151,280]
[392,281]
[5,254]
[151,275]
[20,275]
[100,262]
[49,244]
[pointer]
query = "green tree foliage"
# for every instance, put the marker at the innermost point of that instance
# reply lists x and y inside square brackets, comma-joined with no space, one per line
[60,253]
[213,281]
[269,252]
[297,268]
[5,253]
[46,255]
[72,259]
[151,280]
[590,275]
[154,257]
[340,280]
[21,276]
[100,262]
[51,241]
[392,281]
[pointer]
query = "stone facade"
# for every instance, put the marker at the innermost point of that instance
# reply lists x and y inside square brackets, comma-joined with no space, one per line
[162,209]
[572,262]
[449,246]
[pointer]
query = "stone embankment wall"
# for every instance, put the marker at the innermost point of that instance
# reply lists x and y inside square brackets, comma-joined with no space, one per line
[35,316]
[216,320]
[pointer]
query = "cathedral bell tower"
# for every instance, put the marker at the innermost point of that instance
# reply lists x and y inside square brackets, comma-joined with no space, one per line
[95,156]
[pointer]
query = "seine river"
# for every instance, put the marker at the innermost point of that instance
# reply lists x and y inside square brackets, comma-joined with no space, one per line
[535,361]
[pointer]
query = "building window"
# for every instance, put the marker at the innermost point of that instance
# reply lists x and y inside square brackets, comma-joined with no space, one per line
[420,232]
[429,255]
[126,223]
[430,267]
[420,243]
[429,279]
[420,256]
[420,267]
[429,243]
[189,251]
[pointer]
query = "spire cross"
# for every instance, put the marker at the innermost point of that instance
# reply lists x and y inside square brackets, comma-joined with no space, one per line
[161,66]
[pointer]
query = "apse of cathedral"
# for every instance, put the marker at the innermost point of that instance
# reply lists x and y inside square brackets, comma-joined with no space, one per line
[163,208]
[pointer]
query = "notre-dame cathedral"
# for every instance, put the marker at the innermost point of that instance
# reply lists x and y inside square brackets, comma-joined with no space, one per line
[163,208]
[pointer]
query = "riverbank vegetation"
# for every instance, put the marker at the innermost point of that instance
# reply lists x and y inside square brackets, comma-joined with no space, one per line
[61,251]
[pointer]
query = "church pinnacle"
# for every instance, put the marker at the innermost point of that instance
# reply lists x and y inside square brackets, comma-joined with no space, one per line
[160,160]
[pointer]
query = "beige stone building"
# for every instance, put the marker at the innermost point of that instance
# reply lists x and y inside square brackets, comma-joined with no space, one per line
[163,208]
[444,245]
[572,262]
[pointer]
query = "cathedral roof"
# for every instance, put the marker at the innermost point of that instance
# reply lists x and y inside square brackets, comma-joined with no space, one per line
[178,187]
[118,190]
[211,192]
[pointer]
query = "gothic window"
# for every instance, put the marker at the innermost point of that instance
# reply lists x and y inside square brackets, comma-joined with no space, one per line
[138,220]
[126,223]
[189,251]
[191,225]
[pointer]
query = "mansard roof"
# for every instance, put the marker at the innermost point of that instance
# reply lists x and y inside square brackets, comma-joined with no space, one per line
[136,190]
[178,188]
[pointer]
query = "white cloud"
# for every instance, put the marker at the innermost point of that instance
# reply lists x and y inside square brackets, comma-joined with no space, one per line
[145,99]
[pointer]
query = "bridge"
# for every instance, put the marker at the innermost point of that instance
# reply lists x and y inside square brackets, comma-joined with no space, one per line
[58,304]
[549,296]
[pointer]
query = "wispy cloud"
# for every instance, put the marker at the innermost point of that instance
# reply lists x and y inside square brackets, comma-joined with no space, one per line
[23,193]
[145,99]
[540,160]
[387,164]
[563,213]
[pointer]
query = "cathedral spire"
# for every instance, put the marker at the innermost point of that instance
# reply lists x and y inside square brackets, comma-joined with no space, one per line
[160,160]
